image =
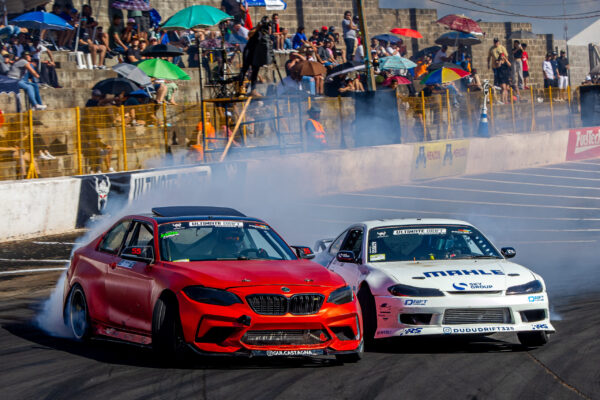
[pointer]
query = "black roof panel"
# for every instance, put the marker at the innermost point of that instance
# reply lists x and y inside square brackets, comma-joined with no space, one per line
[186,211]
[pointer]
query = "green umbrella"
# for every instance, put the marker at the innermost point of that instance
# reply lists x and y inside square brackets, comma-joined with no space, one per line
[196,17]
[161,69]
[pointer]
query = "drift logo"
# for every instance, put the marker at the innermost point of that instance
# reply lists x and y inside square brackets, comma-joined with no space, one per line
[586,141]
[533,299]
[460,286]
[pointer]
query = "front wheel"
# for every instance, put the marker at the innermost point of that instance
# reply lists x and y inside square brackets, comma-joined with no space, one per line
[369,316]
[533,339]
[166,329]
[78,317]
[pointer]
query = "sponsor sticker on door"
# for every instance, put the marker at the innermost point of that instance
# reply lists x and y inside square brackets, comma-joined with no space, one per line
[583,143]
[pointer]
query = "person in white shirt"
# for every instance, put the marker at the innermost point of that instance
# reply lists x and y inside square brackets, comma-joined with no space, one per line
[441,55]
[288,86]
[548,71]
[359,54]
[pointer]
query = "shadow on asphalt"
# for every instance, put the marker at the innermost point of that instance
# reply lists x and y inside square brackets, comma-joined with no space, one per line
[118,353]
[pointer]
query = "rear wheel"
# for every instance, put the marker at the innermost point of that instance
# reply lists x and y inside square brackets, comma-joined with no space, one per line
[166,329]
[533,339]
[369,316]
[77,314]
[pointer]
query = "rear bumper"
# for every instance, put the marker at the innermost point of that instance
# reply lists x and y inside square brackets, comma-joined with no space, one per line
[393,313]
[222,330]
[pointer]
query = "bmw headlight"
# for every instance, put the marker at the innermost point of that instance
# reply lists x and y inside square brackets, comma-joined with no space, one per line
[206,295]
[411,291]
[342,295]
[529,287]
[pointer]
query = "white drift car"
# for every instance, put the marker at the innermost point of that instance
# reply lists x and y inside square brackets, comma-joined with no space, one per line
[437,277]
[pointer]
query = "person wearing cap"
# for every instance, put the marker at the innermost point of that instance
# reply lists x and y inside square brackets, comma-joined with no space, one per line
[323,33]
[563,75]
[115,34]
[493,59]
[548,71]
[315,133]
[350,32]
[20,70]
[46,68]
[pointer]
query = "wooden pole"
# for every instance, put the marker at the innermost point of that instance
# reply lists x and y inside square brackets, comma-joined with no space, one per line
[237,125]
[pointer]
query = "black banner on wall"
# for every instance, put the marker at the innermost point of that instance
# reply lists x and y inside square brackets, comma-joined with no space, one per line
[97,191]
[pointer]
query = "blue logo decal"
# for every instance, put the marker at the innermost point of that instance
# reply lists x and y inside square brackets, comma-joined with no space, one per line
[411,302]
[533,299]
[460,286]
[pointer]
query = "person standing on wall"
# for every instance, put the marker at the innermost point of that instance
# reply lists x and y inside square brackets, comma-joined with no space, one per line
[548,71]
[493,56]
[315,133]
[518,65]
[563,75]
[350,30]
[525,59]
[258,52]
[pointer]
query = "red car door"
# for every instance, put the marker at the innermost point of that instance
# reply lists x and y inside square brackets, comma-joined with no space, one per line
[129,285]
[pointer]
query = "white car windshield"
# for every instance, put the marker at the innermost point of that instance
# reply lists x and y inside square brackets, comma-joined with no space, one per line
[428,242]
[204,240]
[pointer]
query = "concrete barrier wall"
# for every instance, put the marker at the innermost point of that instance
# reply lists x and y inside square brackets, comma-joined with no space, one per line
[47,206]
[38,207]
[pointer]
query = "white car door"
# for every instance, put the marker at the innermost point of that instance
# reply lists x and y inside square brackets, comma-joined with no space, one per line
[351,272]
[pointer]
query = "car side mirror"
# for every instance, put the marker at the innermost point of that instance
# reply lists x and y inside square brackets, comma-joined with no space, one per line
[304,252]
[508,252]
[139,253]
[346,256]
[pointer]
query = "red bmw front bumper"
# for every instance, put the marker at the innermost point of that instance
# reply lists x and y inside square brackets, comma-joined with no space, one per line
[238,329]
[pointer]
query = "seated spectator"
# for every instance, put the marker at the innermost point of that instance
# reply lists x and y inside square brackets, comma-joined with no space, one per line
[475,84]
[287,42]
[294,59]
[21,70]
[47,68]
[359,54]
[133,54]
[115,36]
[290,85]
[5,62]
[276,33]
[65,38]
[314,38]
[97,51]
[441,55]
[323,33]
[299,39]
[239,35]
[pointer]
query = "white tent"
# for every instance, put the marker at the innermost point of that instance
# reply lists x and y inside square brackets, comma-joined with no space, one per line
[591,34]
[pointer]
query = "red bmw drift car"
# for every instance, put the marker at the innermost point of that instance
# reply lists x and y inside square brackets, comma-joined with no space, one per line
[213,279]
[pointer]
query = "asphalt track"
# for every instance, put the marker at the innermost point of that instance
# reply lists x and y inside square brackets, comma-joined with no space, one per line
[550,214]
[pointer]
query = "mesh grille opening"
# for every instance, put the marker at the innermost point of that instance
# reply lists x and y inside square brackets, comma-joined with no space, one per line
[458,316]
[275,304]
[289,337]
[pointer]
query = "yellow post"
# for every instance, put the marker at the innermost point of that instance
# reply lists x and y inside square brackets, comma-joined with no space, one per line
[32,172]
[551,105]
[309,103]
[468,110]
[492,110]
[448,132]
[569,96]
[512,109]
[165,130]
[424,116]
[124,137]
[78,125]
[532,109]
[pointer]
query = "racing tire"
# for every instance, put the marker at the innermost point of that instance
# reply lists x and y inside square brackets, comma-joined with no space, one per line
[77,314]
[369,316]
[167,334]
[533,339]
[351,358]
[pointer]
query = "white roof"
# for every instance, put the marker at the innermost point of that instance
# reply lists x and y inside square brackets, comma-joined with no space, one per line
[413,221]
[591,34]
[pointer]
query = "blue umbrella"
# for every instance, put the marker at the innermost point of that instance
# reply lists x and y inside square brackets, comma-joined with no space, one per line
[386,37]
[395,62]
[9,85]
[41,20]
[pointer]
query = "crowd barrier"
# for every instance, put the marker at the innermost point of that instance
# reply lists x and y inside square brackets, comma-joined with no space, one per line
[81,141]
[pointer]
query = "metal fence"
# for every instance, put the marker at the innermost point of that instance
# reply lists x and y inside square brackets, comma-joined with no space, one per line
[87,140]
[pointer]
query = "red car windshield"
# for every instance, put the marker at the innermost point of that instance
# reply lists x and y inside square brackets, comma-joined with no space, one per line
[204,240]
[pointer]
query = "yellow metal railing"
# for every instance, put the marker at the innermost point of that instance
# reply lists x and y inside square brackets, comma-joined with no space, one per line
[104,139]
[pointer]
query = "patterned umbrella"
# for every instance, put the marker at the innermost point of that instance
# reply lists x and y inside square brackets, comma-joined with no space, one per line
[444,75]
[395,62]
[407,32]
[461,23]
[140,5]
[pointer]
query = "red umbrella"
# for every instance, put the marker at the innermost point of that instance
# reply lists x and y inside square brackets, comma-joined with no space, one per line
[461,23]
[400,79]
[407,32]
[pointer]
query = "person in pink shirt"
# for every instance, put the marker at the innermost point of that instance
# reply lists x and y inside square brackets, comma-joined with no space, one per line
[525,59]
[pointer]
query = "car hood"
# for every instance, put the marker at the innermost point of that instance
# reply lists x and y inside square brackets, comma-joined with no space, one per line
[227,274]
[458,275]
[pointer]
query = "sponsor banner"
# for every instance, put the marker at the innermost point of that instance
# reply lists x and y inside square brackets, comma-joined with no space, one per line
[436,159]
[269,4]
[98,191]
[583,143]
